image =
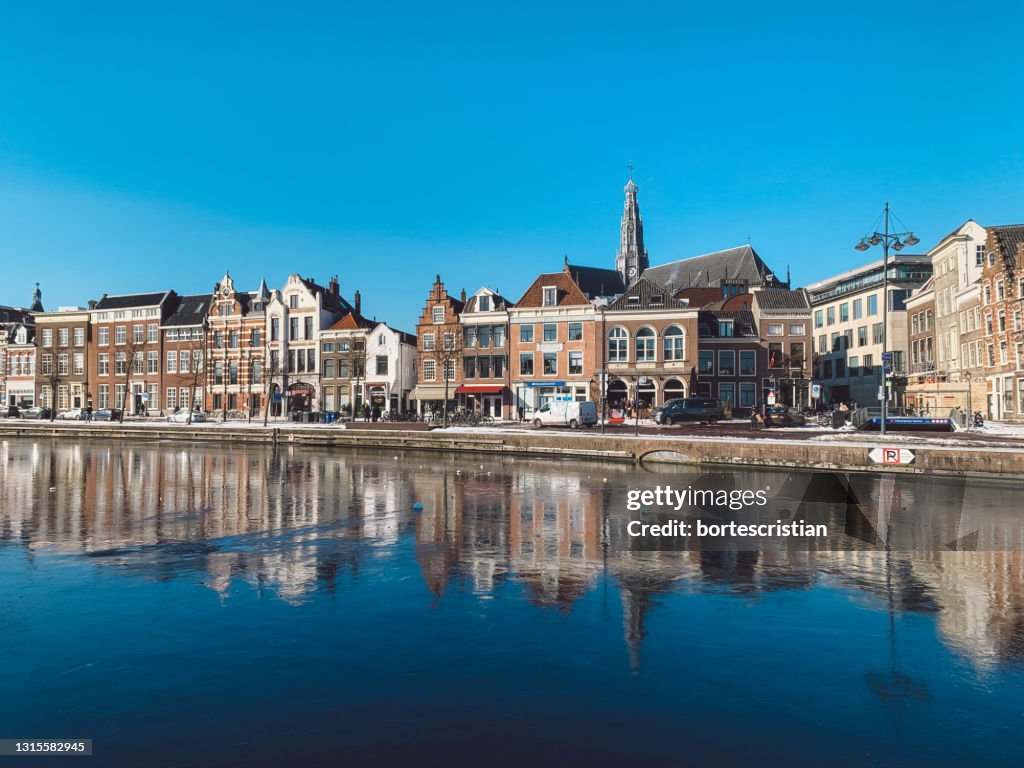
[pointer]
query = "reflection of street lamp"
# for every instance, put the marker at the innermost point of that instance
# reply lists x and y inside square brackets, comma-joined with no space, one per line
[896,241]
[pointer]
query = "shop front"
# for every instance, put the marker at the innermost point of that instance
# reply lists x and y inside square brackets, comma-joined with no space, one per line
[21,393]
[487,399]
[532,395]
[429,398]
[301,397]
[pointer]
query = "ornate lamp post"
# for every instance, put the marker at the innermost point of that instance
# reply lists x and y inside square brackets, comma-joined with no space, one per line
[888,238]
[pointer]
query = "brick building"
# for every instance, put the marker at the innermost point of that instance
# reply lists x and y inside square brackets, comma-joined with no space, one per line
[650,345]
[439,349]
[554,340]
[62,339]
[731,361]
[125,351]
[485,370]
[1002,288]
[236,349]
[784,322]
[183,382]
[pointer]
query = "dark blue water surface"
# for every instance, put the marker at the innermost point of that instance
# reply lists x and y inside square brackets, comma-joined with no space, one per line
[259,607]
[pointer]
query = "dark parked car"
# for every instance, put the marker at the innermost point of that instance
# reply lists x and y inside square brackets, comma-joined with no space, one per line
[689,409]
[11,412]
[107,414]
[783,416]
[36,413]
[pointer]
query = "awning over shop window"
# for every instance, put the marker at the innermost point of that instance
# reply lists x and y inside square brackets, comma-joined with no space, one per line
[431,392]
[469,389]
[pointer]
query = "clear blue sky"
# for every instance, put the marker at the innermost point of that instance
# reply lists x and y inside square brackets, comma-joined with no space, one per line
[148,146]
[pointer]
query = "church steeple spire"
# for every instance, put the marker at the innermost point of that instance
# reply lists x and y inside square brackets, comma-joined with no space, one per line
[631,259]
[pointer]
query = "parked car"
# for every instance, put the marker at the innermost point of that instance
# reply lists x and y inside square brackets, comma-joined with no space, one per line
[689,409]
[180,416]
[566,413]
[783,416]
[38,412]
[107,414]
[71,414]
[11,412]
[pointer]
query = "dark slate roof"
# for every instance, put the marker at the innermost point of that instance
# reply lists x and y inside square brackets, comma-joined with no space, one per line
[498,303]
[191,310]
[644,289]
[780,298]
[735,264]
[132,300]
[743,323]
[330,302]
[597,282]
[1011,238]
[13,315]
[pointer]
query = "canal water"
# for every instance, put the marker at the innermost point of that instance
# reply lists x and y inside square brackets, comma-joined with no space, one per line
[221,605]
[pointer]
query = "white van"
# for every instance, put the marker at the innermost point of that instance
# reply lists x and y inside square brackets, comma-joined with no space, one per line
[566,413]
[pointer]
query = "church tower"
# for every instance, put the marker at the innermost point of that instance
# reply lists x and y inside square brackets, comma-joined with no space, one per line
[631,260]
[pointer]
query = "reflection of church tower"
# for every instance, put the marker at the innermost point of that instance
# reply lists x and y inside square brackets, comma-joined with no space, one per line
[631,260]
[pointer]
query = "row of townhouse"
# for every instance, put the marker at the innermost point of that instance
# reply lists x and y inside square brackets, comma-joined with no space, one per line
[248,353]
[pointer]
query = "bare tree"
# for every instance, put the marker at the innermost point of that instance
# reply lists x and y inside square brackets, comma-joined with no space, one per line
[197,355]
[354,360]
[129,362]
[449,357]
[273,369]
[52,374]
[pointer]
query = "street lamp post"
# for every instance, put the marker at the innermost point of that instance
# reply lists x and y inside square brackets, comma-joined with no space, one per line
[970,412]
[896,241]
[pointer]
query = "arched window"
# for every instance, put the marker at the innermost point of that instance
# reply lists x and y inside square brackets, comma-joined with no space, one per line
[675,343]
[618,345]
[645,339]
[674,388]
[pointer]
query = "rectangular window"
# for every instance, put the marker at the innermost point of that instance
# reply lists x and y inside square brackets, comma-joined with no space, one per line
[840,368]
[831,315]
[858,308]
[104,337]
[748,394]
[448,340]
[172,361]
[171,399]
[844,312]
[706,363]
[120,334]
[575,363]
[233,339]
[104,364]
[152,363]
[79,364]
[862,336]
[727,392]
[550,363]
[575,331]
[485,367]
[725,329]
[62,337]
[103,398]
[499,336]
[796,354]
[525,333]
[449,370]
[382,365]
[428,342]
[550,297]
[310,360]
[470,337]
[183,359]
[254,337]
[152,335]
[120,364]
[469,367]
[876,333]
[275,329]
[119,392]
[308,327]
[819,320]
[257,372]
[823,344]
[727,362]
[218,372]
[748,362]
[429,370]
[293,328]
[483,336]
[437,315]
[796,329]
[233,372]
[526,364]
[499,367]
[550,332]
[484,303]
[775,329]
[775,354]
[854,365]
[48,337]
[138,334]
[872,305]
[869,365]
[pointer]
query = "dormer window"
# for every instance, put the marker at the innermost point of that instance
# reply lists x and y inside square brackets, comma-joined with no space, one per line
[657,298]
[725,328]
[484,303]
[550,296]
[633,300]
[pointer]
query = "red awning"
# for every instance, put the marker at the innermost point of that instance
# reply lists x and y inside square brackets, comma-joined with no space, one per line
[469,389]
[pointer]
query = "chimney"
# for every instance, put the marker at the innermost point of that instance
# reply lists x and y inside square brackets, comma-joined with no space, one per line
[92,303]
[332,286]
[358,303]
[462,296]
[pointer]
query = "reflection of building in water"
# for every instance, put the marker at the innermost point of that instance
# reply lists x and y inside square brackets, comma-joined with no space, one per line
[294,521]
